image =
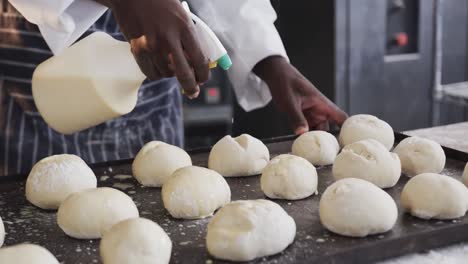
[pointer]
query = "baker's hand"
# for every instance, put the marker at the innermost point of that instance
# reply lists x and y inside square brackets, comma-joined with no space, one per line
[163,40]
[293,94]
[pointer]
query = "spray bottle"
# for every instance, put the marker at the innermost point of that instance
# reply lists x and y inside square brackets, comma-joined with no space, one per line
[97,79]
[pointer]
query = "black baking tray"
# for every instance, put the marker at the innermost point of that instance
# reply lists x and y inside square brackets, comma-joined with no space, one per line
[313,243]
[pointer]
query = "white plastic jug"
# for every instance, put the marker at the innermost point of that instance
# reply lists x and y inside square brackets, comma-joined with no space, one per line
[95,80]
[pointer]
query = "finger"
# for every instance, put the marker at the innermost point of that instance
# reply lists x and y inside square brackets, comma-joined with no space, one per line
[143,60]
[325,126]
[161,62]
[195,54]
[184,73]
[337,115]
[313,119]
[296,117]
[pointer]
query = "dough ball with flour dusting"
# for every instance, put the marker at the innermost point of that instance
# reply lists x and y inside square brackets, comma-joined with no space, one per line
[289,177]
[357,208]
[195,192]
[318,147]
[249,229]
[156,161]
[136,240]
[53,178]
[431,195]
[368,160]
[2,232]
[26,254]
[88,214]
[465,175]
[240,156]
[420,155]
[359,127]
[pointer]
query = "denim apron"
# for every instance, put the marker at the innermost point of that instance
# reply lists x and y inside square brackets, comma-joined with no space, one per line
[24,136]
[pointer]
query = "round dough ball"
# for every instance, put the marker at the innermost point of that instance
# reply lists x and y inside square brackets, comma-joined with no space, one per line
[245,230]
[318,147]
[465,175]
[156,161]
[368,160]
[431,195]
[90,213]
[53,178]
[136,240]
[289,177]
[26,254]
[359,127]
[240,156]
[2,232]
[357,208]
[420,155]
[195,192]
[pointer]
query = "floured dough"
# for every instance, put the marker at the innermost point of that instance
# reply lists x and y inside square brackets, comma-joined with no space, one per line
[2,232]
[156,161]
[465,175]
[245,230]
[359,127]
[137,240]
[53,178]
[431,195]
[90,213]
[240,156]
[357,208]
[26,254]
[318,147]
[368,160]
[420,155]
[195,192]
[289,177]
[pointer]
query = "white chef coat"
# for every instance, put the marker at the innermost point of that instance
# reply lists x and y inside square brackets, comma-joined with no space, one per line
[244,26]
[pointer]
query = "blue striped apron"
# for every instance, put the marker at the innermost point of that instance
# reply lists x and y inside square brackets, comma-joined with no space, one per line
[24,136]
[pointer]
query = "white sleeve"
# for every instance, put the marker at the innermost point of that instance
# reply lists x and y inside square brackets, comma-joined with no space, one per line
[61,22]
[246,29]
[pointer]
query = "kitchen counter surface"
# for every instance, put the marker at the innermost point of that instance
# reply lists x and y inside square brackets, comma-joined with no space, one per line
[453,136]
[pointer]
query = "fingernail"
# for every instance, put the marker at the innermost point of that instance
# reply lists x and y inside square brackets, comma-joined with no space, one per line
[301,130]
[193,96]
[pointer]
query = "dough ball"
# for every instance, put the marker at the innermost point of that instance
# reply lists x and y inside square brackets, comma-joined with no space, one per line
[90,213]
[2,232]
[465,175]
[156,161]
[289,177]
[53,178]
[420,155]
[249,229]
[357,208]
[431,195]
[240,156]
[195,192]
[368,160]
[136,240]
[318,147]
[26,254]
[359,127]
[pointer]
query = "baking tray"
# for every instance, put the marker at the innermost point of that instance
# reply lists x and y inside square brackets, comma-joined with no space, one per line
[313,243]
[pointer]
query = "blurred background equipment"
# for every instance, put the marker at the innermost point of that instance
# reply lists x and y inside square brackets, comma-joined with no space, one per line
[379,57]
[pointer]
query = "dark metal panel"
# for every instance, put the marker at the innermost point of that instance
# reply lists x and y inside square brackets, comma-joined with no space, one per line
[454,41]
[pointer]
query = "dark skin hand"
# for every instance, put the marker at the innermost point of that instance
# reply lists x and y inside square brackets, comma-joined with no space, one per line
[163,41]
[306,107]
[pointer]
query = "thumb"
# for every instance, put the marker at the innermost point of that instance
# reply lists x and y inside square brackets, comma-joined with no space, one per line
[297,119]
